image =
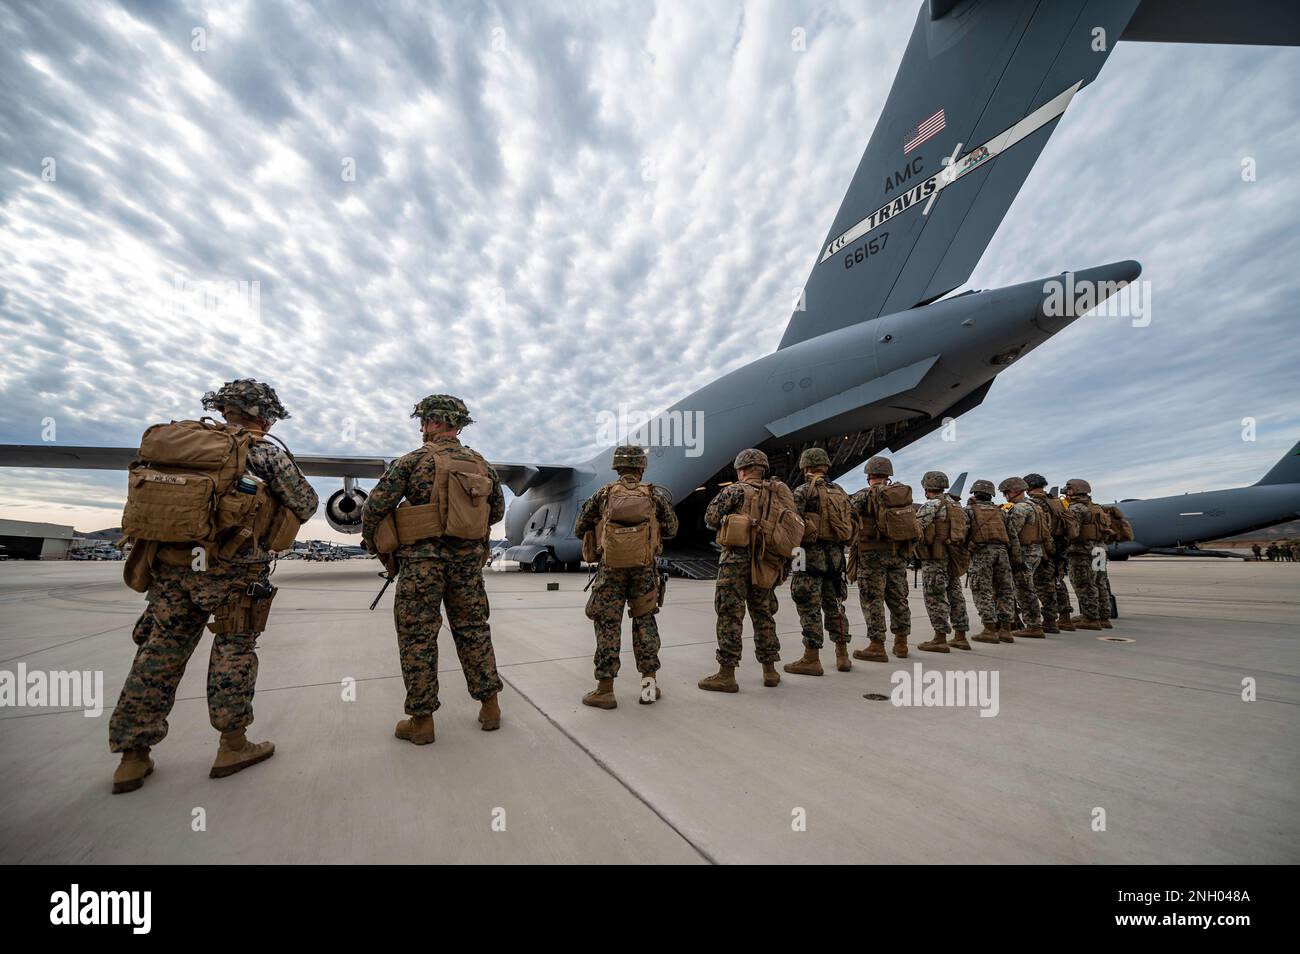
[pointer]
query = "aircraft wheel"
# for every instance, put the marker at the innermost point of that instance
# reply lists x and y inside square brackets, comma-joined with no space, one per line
[541,563]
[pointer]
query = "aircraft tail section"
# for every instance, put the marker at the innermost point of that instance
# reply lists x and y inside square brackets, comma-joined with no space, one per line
[1285,471]
[983,85]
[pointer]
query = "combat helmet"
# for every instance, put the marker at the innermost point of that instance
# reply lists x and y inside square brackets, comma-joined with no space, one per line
[879,467]
[750,457]
[444,408]
[982,487]
[813,458]
[630,456]
[1035,481]
[935,480]
[1077,487]
[252,397]
[1012,485]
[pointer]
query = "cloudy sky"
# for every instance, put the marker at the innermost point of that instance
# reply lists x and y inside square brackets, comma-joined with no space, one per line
[553,209]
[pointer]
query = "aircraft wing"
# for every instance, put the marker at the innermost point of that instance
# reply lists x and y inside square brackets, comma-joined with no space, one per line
[518,477]
[985,83]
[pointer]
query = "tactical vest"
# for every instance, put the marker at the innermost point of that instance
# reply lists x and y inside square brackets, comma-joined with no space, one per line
[1029,530]
[987,524]
[945,531]
[1093,526]
[459,504]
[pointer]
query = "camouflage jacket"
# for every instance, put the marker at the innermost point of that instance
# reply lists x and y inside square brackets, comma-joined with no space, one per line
[730,499]
[592,508]
[926,514]
[269,462]
[411,477]
[1017,515]
[824,556]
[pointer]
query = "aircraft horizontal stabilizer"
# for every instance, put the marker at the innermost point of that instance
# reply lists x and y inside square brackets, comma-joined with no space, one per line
[871,392]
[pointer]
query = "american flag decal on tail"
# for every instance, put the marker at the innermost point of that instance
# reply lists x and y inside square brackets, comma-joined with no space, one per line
[926,129]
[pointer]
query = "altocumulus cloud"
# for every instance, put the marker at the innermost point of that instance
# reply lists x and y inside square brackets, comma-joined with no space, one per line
[554,210]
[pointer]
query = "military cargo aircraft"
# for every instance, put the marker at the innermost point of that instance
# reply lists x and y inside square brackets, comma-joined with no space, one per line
[879,351]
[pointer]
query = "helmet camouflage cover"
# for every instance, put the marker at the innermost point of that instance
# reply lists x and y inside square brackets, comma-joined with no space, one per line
[879,467]
[934,480]
[814,457]
[1013,485]
[1033,481]
[1077,485]
[751,457]
[982,487]
[252,397]
[444,408]
[629,455]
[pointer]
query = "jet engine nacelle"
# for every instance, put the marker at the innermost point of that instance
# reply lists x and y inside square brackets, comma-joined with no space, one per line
[343,509]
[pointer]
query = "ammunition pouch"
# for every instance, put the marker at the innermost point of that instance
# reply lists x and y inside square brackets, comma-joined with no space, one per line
[735,530]
[243,612]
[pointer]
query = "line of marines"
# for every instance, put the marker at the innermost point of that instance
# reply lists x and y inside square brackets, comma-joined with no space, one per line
[209,503]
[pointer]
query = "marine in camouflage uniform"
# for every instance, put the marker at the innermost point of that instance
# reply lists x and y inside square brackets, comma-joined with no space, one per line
[1023,520]
[1081,558]
[185,592]
[1046,576]
[438,572]
[990,573]
[735,590]
[940,584]
[882,574]
[819,588]
[617,587]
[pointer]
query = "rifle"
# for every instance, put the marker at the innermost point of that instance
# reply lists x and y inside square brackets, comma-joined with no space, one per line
[663,585]
[595,569]
[390,573]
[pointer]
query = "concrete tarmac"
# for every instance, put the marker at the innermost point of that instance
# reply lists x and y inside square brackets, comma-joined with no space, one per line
[1100,752]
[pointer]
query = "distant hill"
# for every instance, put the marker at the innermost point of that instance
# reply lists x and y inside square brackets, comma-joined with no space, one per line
[111,534]
[1283,531]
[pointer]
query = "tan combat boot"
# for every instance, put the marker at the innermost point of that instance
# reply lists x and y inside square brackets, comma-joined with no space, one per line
[987,635]
[418,730]
[809,665]
[770,676]
[602,697]
[649,681]
[937,645]
[489,714]
[131,772]
[1065,623]
[235,753]
[900,646]
[1083,623]
[724,680]
[1004,633]
[1049,625]
[959,640]
[842,661]
[1032,632]
[875,652]
[1105,623]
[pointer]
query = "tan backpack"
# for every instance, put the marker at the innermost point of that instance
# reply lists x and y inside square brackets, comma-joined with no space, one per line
[835,514]
[461,500]
[628,532]
[185,485]
[1120,526]
[895,514]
